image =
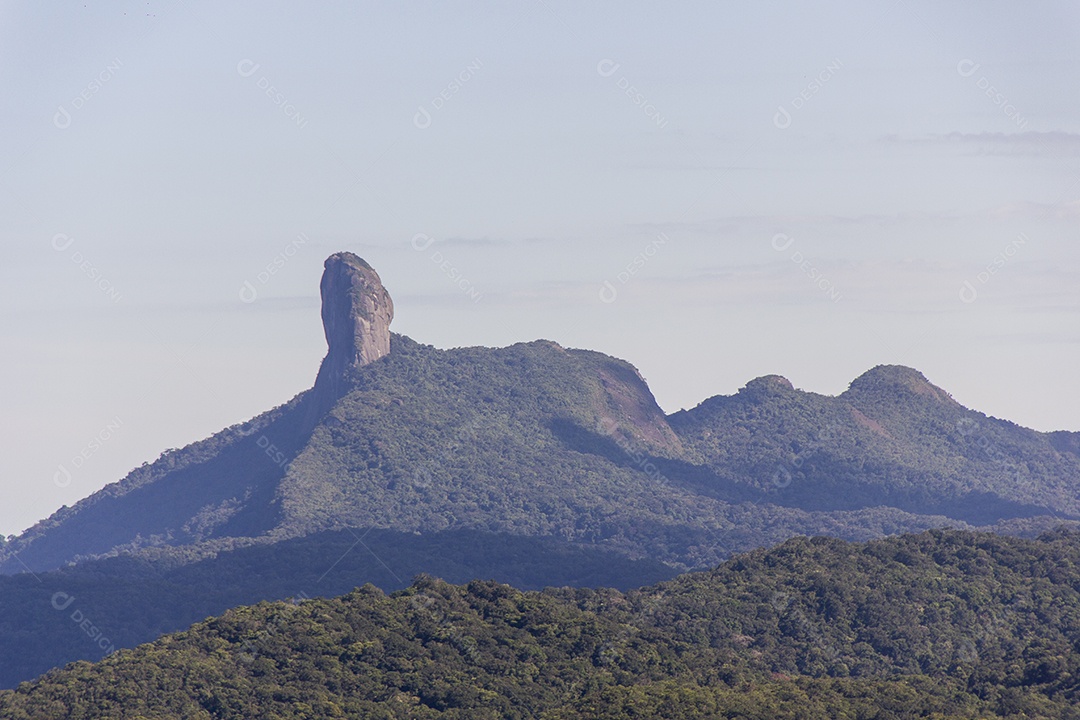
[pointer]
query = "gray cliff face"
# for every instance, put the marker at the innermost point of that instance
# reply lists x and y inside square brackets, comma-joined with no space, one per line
[356,311]
[356,314]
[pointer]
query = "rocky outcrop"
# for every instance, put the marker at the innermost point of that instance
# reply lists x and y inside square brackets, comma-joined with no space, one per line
[356,311]
[356,314]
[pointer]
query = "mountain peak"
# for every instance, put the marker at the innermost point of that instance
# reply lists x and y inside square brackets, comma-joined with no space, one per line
[348,258]
[356,314]
[767,383]
[893,377]
[356,311]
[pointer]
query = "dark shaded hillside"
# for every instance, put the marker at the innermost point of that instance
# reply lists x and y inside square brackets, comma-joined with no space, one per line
[944,624]
[223,485]
[133,600]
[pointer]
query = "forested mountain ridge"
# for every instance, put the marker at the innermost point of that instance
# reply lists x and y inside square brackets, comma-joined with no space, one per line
[488,448]
[891,439]
[536,439]
[944,624]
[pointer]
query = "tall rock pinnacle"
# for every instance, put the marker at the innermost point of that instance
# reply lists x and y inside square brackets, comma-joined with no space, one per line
[356,310]
[356,314]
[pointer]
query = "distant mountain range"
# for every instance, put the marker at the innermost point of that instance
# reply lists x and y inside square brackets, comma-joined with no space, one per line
[945,624]
[516,456]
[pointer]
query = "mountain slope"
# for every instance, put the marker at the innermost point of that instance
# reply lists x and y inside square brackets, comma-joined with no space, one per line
[539,441]
[942,624]
[535,439]
[133,600]
[891,439]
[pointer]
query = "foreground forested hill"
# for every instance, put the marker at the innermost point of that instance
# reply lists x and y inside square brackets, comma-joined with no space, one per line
[940,624]
[133,600]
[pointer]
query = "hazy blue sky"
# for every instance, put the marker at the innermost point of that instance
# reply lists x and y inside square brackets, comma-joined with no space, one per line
[712,191]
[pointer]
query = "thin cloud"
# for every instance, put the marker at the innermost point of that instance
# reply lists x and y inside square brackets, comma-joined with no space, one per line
[775,223]
[476,242]
[1055,143]
[1026,210]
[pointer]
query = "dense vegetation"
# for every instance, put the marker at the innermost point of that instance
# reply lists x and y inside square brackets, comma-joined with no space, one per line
[944,624]
[537,440]
[132,600]
[529,441]
[891,439]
